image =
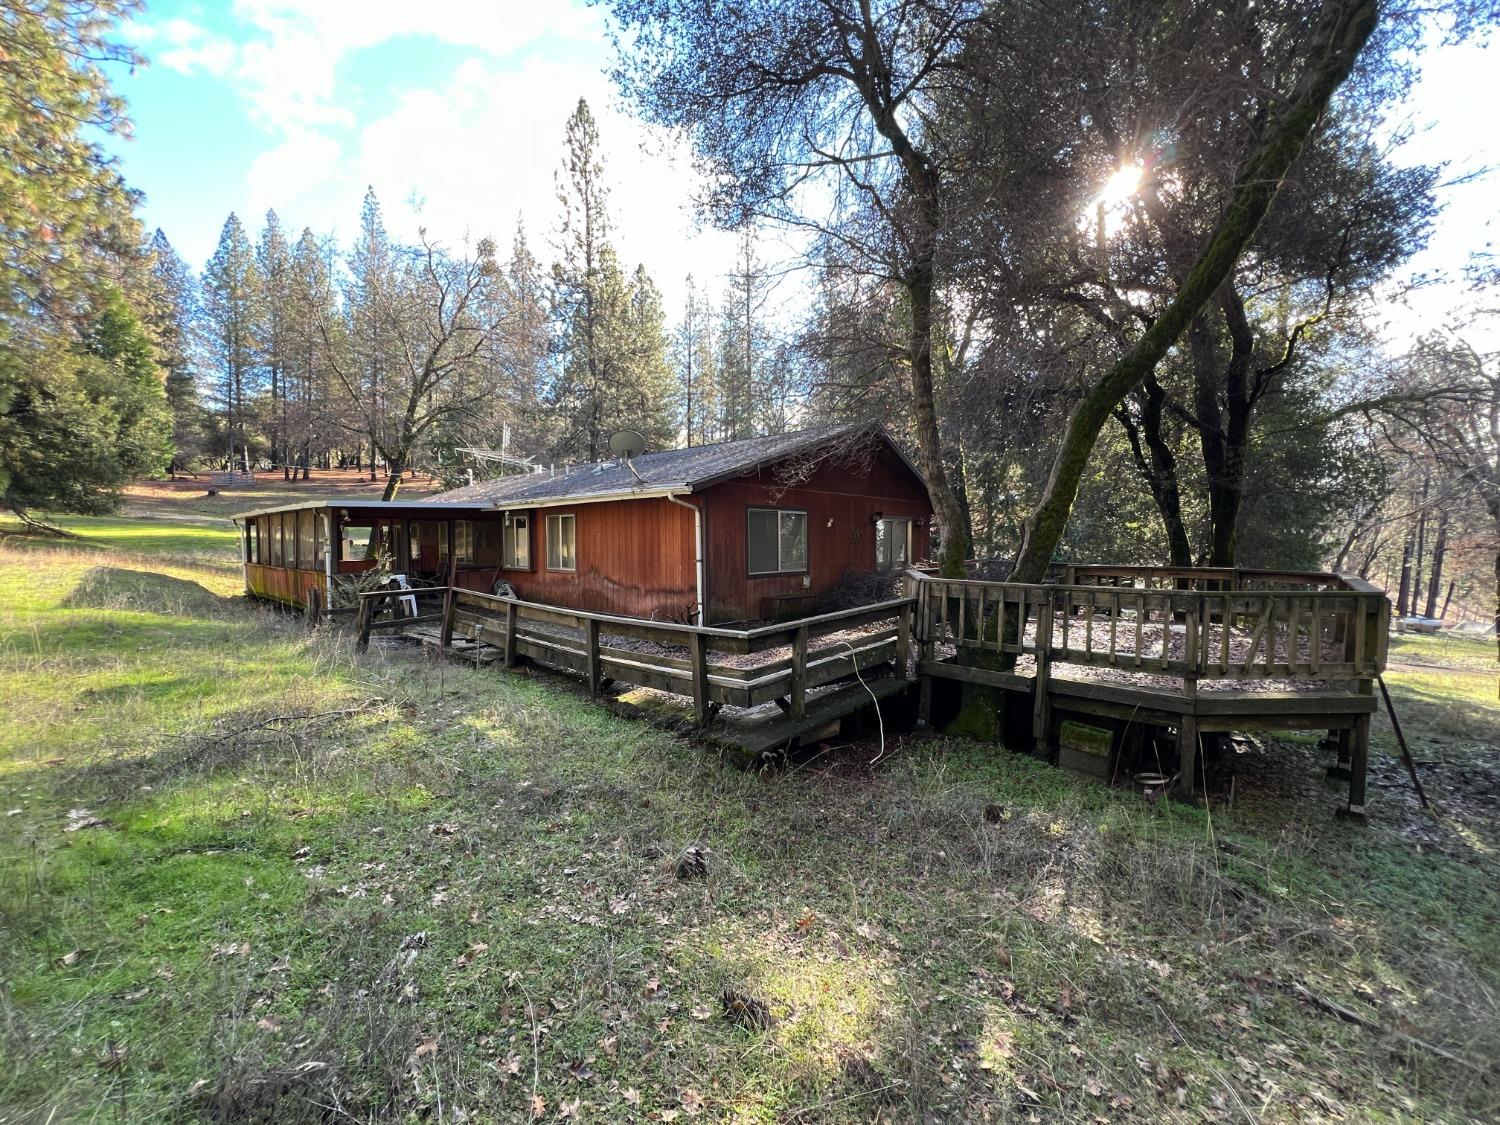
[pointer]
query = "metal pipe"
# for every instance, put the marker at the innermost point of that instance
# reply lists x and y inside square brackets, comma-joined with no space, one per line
[697,546]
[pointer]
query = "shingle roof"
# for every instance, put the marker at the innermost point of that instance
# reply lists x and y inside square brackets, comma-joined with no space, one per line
[694,467]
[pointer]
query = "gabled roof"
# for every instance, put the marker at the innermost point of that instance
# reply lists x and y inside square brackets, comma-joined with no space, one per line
[651,474]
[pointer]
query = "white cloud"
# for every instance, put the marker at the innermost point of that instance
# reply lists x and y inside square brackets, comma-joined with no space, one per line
[184,46]
[478,149]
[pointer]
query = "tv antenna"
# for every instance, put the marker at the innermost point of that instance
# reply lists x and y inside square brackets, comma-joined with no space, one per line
[627,444]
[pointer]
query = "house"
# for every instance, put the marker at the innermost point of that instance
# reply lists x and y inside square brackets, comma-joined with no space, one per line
[736,531]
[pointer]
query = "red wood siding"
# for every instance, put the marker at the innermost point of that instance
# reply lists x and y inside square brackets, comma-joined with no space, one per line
[847,498]
[635,558]
[282,584]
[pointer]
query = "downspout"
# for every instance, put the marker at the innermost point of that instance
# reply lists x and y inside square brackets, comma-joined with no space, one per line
[328,561]
[697,548]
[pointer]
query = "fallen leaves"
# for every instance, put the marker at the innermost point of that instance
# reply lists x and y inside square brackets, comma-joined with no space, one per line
[231,949]
[69,959]
[426,1049]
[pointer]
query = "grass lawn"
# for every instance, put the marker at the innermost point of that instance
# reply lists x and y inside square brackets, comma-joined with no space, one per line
[245,876]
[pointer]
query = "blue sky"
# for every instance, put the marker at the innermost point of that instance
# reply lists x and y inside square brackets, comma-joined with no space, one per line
[454,109]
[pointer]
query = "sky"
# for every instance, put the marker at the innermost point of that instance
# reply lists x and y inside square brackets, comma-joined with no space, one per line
[453,110]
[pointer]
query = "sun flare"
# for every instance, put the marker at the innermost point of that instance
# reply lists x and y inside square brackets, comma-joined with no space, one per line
[1121,185]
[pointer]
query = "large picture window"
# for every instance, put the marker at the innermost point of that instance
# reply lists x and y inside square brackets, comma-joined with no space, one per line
[561,546]
[515,543]
[892,544]
[777,541]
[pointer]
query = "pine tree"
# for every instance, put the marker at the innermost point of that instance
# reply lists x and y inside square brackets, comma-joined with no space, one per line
[645,401]
[313,334]
[171,314]
[231,305]
[371,297]
[588,291]
[273,259]
[697,368]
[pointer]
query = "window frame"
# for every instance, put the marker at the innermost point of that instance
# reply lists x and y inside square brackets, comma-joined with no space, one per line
[547,550]
[463,542]
[806,566]
[508,529]
[910,540]
[278,548]
[252,541]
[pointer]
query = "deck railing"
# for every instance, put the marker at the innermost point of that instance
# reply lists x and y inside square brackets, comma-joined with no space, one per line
[687,660]
[1290,627]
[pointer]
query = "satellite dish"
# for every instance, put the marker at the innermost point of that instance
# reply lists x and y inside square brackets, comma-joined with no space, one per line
[627,443]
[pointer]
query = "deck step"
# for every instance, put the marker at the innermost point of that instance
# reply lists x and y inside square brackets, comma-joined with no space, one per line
[754,739]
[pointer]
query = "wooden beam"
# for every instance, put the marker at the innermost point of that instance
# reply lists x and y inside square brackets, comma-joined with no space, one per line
[698,657]
[510,635]
[799,674]
[591,639]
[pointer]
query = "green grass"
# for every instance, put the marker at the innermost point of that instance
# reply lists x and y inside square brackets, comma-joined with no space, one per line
[416,891]
[205,543]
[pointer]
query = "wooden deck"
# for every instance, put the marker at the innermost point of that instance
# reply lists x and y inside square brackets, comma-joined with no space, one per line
[753,692]
[1190,651]
[1197,651]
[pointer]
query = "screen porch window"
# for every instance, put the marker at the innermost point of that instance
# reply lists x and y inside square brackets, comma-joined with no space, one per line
[561,545]
[515,543]
[463,541]
[252,541]
[305,538]
[777,541]
[892,544]
[276,555]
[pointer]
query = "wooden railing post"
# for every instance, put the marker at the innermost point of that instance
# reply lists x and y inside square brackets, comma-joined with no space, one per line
[450,611]
[698,659]
[799,674]
[362,644]
[510,635]
[903,640]
[591,632]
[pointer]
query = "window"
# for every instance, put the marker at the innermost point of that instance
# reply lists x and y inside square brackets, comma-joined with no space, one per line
[319,546]
[305,535]
[515,543]
[276,554]
[777,541]
[357,541]
[561,548]
[252,541]
[892,544]
[463,541]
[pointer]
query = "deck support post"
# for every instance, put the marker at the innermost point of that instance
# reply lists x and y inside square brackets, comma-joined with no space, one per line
[1187,757]
[1188,743]
[799,674]
[698,659]
[1041,703]
[591,632]
[1359,760]
[510,635]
